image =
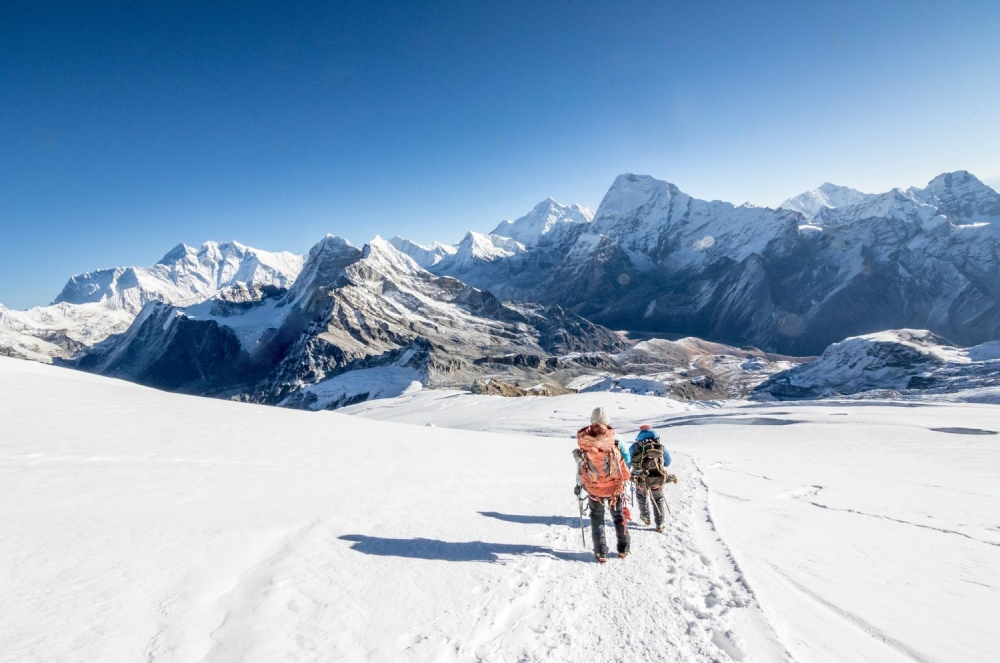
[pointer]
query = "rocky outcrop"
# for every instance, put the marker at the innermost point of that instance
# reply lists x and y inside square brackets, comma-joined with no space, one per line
[902,362]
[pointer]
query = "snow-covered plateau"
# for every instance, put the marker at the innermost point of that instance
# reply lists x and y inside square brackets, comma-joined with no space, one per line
[441,526]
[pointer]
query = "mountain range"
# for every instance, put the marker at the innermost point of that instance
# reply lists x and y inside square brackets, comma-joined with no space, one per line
[831,263]
[533,303]
[96,305]
[350,309]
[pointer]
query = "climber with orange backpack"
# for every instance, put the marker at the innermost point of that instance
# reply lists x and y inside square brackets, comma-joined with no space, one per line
[602,470]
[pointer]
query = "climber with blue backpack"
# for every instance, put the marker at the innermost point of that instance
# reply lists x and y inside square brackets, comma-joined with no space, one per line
[649,474]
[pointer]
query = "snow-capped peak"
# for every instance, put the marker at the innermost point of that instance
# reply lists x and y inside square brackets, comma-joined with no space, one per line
[477,248]
[896,204]
[961,196]
[543,219]
[826,196]
[183,276]
[629,192]
[94,305]
[387,259]
[425,256]
[324,264]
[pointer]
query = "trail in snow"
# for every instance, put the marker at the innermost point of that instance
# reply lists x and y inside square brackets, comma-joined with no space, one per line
[140,525]
[672,599]
[900,562]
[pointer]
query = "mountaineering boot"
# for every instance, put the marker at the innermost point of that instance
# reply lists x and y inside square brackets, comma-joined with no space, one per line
[601,557]
[642,497]
[659,530]
[597,527]
[621,533]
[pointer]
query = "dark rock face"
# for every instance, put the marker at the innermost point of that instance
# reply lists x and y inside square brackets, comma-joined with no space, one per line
[176,354]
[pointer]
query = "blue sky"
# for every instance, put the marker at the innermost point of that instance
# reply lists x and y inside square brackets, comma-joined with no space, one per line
[126,128]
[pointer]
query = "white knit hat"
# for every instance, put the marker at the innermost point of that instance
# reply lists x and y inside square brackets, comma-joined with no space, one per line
[599,416]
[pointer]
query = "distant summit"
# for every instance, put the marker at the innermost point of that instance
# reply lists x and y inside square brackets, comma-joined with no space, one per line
[827,196]
[95,305]
[184,274]
[545,218]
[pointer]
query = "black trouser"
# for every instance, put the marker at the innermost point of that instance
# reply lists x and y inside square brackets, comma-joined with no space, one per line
[659,504]
[597,523]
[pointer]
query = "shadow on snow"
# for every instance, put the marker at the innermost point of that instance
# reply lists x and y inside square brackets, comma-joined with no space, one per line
[536,520]
[453,551]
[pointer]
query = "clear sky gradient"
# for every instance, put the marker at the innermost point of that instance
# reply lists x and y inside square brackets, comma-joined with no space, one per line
[126,128]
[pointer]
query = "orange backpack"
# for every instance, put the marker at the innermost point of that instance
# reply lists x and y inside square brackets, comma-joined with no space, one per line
[603,471]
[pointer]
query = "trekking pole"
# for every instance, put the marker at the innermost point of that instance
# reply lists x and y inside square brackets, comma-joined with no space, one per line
[578,456]
[665,502]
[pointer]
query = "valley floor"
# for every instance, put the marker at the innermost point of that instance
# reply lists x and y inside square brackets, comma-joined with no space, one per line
[139,525]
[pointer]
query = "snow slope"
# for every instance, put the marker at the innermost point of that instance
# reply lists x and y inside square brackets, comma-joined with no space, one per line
[866,531]
[59,330]
[476,248]
[425,256]
[145,525]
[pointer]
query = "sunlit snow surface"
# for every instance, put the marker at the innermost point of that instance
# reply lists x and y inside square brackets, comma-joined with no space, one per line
[140,525]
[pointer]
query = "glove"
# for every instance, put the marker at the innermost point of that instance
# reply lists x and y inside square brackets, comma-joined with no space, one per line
[576,490]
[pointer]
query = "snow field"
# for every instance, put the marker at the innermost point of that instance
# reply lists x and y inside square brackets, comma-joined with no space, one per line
[865,530]
[141,525]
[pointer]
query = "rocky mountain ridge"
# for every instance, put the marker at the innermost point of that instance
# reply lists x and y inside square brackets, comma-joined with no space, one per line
[833,263]
[895,363]
[361,323]
[346,322]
